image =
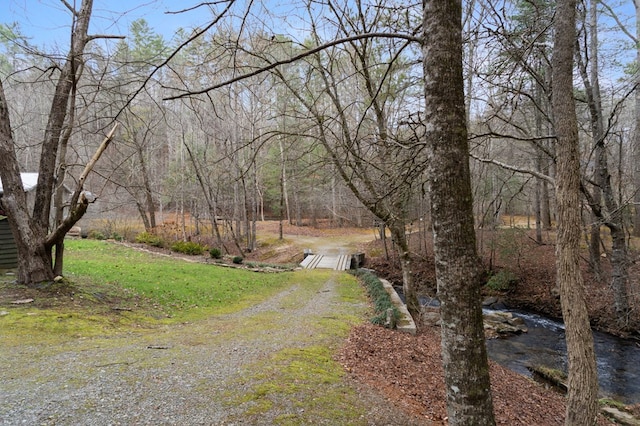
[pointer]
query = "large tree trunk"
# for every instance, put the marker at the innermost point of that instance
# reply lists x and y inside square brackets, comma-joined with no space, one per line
[458,270]
[58,113]
[30,228]
[34,261]
[583,381]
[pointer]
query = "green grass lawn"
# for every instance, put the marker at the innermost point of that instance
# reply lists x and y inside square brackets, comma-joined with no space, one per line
[109,288]
[182,289]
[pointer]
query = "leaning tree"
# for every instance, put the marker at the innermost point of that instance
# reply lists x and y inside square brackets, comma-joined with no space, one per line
[39,236]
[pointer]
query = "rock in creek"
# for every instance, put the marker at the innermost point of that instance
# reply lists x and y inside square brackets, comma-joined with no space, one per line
[496,323]
[500,324]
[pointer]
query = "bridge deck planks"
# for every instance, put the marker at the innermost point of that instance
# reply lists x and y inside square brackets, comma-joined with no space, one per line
[321,261]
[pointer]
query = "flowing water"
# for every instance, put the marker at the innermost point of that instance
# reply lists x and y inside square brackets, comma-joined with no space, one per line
[618,359]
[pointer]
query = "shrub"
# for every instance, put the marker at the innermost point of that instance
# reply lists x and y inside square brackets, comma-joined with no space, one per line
[503,280]
[187,247]
[381,299]
[215,253]
[96,235]
[150,239]
[116,229]
[237,260]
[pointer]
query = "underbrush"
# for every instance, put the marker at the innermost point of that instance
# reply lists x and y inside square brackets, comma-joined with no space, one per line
[379,297]
[188,247]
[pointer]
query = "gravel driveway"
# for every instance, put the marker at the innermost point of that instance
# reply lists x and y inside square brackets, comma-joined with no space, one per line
[268,364]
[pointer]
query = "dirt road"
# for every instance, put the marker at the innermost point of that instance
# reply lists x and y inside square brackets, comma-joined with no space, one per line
[271,363]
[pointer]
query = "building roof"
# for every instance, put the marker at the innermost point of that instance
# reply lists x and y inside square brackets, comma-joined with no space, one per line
[29,181]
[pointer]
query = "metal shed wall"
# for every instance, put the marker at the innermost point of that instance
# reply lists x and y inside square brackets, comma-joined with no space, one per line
[8,249]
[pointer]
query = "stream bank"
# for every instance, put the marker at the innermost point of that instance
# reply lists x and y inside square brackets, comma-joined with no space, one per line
[618,360]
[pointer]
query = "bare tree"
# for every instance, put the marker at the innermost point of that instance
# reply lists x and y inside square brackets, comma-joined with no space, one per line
[30,225]
[636,132]
[582,403]
[602,192]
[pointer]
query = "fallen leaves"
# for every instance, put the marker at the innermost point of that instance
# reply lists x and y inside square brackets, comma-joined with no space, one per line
[407,370]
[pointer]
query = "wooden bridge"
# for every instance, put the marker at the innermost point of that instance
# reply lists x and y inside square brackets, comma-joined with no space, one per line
[340,262]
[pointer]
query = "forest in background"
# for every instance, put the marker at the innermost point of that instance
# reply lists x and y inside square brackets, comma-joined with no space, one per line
[318,130]
[268,147]
[233,123]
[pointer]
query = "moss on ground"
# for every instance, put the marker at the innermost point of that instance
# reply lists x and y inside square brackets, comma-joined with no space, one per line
[285,388]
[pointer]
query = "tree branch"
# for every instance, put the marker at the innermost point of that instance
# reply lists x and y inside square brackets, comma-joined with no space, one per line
[622,27]
[294,59]
[78,209]
[109,36]
[173,54]
[68,6]
[515,169]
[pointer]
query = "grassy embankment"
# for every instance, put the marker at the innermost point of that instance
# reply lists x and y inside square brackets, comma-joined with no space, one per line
[111,289]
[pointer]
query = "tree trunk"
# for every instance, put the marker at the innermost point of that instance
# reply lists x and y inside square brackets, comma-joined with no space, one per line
[69,75]
[143,215]
[594,244]
[538,211]
[636,134]
[603,190]
[546,205]
[34,260]
[148,192]
[30,228]
[458,269]
[583,381]
[282,191]
[255,203]
[406,261]
[215,225]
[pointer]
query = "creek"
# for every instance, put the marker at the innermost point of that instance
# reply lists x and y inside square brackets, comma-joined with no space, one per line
[618,360]
[544,344]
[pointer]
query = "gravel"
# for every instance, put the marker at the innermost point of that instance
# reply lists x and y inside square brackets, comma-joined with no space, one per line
[185,374]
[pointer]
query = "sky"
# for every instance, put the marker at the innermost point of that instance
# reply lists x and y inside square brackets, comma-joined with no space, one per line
[47,22]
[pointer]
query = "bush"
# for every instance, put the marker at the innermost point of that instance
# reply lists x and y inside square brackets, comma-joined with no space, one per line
[215,253]
[187,247]
[150,239]
[96,235]
[381,299]
[119,230]
[237,260]
[502,281]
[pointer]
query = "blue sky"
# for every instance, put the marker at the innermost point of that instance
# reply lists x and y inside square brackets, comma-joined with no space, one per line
[47,22]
